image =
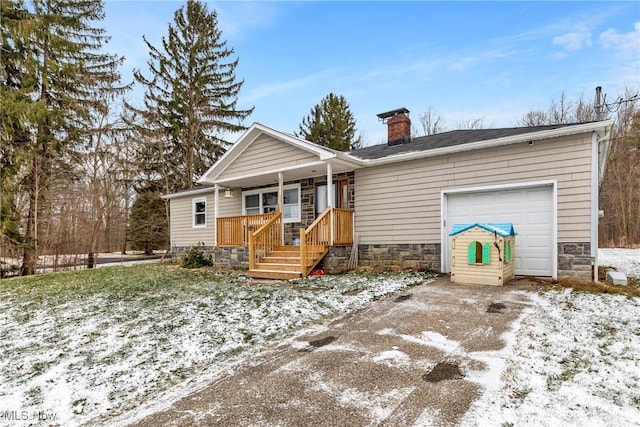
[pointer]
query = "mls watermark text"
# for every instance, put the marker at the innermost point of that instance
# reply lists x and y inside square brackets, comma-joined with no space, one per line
[13,415]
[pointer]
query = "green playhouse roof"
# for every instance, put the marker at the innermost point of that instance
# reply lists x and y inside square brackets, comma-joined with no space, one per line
[501,229]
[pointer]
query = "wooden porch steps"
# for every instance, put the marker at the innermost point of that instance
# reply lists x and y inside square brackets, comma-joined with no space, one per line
[284,263]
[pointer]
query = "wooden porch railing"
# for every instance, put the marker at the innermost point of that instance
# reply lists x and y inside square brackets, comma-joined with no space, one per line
[265,239]
[342,227]
[316,239]
[235,230]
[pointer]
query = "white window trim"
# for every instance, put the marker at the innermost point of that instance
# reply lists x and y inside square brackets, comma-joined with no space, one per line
[273,190]
[193,212]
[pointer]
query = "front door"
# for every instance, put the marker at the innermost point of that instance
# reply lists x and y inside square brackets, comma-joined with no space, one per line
[340,196]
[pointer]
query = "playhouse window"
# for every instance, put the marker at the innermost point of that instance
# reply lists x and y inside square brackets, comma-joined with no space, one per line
[479,253]
[507,251]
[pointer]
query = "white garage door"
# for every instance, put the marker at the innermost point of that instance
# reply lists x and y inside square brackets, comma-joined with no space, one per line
[530,210]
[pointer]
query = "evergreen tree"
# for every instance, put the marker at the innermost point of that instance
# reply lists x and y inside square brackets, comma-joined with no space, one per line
[66,77]
[16,107]
[331,124]
[190,100]
[148,229]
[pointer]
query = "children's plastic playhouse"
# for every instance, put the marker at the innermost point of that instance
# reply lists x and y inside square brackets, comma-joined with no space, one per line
[482,253]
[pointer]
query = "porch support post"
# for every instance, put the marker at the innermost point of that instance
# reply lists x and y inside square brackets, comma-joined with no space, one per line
[216,190]
[330,198]
[281,205]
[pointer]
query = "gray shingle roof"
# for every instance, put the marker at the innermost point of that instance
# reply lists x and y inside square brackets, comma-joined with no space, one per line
[445,139]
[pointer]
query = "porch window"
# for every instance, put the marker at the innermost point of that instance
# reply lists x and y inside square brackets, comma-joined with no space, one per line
[265,200]
[200,212]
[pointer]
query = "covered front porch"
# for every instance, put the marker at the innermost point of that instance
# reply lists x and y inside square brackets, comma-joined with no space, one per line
[270,256]
[285,200]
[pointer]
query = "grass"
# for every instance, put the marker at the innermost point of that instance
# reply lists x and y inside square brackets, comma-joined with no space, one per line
[88,343]
[578,284]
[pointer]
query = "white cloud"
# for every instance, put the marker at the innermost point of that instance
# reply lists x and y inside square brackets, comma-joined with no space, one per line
[624,43]
[465,62]
[236,19]
[574,40]
[285,87]
[626,52]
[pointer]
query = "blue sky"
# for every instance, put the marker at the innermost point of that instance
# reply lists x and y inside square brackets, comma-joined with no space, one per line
[490,60]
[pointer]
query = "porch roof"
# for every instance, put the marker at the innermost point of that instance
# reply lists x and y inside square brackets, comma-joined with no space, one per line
[314,166]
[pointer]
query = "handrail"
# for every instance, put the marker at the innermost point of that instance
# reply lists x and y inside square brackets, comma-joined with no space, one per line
[267,224]
[314,240]
[265,239]
[326,212]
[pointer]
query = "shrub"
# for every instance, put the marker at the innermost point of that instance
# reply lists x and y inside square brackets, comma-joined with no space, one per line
[196,258]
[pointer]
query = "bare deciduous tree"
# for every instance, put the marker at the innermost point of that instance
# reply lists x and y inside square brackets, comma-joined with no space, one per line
[534,118]
[431,122]
[477,123]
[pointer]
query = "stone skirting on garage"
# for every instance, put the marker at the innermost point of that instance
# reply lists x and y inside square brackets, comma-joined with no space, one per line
[574,259]
[404,255]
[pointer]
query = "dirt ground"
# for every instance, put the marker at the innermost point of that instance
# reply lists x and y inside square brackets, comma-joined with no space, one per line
[412,358]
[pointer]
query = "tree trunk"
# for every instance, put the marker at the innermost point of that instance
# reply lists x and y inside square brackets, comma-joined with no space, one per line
[30,253]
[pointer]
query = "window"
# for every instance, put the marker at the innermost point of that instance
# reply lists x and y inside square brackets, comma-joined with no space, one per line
[252,204]
[479,253]
[507,251]
[199,212]
[265,200]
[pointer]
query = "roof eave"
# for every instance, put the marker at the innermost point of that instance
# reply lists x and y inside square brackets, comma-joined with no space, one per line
[533,136]
[190,192]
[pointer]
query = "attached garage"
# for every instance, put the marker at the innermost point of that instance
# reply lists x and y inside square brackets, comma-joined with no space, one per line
[529,207]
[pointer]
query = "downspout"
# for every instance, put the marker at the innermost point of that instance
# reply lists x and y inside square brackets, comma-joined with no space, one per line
[281,205]
[216,190]
[595,169]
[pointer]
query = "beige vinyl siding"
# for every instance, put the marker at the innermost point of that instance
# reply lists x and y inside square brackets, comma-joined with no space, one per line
[231,206]
[183,233]
[266,154]
[400,202]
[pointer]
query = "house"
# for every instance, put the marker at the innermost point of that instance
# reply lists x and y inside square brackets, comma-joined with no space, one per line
[482,253]
[400,198]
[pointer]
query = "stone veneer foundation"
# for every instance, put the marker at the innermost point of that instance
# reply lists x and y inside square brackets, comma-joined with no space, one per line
[574,259]
[404,255]
[233,257]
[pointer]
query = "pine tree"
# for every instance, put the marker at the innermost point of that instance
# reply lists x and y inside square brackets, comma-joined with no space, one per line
[191,99]
[16,107]
[331,124]
[69,78]
[148,229]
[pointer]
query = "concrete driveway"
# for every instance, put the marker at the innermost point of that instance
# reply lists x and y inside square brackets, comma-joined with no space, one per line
[416,358]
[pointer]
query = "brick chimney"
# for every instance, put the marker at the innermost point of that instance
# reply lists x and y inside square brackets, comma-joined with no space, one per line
[398,126]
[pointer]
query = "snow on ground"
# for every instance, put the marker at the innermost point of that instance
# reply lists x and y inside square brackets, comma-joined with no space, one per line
[624,260]
[574,360]
[73,356]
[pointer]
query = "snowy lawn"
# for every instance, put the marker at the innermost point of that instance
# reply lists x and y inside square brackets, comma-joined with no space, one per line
[86,345]
[625,260]
[574,360]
